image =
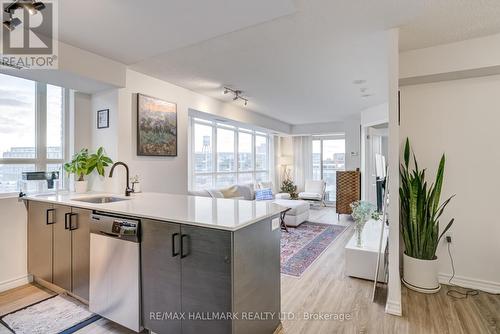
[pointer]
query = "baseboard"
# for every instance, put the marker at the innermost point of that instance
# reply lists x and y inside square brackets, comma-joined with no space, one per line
[393,308]
[471,283]
[14,282]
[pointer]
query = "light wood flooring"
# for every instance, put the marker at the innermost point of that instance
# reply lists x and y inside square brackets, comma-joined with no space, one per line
[324,289]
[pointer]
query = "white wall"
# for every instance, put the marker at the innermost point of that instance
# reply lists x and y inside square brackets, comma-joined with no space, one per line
[460,118]
[351,129]
[460,56]
[161,174]
[13,243]
[375,115]
[82,126]
[463,59]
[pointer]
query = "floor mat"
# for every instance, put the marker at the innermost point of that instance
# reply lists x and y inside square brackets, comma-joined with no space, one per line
[58,314]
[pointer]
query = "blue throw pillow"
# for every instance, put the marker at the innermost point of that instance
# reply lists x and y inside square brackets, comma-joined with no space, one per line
[263,194]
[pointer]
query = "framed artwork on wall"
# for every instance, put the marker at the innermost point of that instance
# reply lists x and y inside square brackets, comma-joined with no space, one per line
[103,119]
[156,127]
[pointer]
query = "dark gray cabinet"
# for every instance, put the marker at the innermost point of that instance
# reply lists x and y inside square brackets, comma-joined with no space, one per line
[61,269]
[161,276]
[79,224]
[206,279]
[41,216]
[59,246]
[185,270]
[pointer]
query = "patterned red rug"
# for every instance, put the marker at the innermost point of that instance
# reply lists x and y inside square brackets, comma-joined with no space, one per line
[301,245]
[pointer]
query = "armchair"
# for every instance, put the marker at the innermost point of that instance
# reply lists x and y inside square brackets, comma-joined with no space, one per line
[314,191]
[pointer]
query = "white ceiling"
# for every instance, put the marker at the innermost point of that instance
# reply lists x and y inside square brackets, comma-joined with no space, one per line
[446,21]
[133,30]
[295,60]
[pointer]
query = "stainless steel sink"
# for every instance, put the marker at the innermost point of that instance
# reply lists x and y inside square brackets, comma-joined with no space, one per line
[101,199]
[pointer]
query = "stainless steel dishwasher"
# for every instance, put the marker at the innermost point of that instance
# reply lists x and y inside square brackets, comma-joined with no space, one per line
[115,269]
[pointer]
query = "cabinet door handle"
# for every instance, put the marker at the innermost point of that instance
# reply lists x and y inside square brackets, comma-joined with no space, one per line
[174,252]
[66,215]
[71,215]
[47,217]
[183,255]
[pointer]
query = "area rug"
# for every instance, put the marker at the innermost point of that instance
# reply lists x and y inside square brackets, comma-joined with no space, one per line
[301,245]
[54,315]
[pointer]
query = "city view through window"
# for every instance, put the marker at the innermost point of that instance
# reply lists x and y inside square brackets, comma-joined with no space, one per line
[328,158]
[26,106]
[224,155]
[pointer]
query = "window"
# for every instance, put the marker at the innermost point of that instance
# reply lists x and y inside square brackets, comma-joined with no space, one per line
[328,156]
[32,134]
[224,154]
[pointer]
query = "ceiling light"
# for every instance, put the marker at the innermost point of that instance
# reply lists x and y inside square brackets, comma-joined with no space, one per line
[12,7]
[33,7]
[30,8]
[236,94]
[12,23]
[39,5]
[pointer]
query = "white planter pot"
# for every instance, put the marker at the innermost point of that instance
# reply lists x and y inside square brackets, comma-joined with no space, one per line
[421,275]
[81,186]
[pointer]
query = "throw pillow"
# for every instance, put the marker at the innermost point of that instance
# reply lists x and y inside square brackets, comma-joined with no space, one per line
[246,191]
[265,185]
[230,192]
[216,193]
[263,194]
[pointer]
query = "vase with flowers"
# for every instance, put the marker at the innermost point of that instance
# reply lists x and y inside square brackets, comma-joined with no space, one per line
[363,211]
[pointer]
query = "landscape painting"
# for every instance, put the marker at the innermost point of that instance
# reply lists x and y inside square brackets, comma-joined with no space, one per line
[156,127]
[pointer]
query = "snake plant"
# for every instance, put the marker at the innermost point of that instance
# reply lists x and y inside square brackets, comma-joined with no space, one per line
[420,208]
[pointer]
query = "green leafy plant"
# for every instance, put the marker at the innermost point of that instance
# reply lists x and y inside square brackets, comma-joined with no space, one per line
[98,161]
[420,208]
[287,186]
[83,164]
[78,164]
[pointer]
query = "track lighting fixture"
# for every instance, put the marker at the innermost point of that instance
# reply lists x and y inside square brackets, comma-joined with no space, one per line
[31,6]
[237,94]
[12,23]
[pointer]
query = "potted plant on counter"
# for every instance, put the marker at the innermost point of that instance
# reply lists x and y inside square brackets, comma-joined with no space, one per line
[420,213]
[84,164]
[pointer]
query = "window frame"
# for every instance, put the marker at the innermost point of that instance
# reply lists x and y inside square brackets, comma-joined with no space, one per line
[236,128]
[40,160]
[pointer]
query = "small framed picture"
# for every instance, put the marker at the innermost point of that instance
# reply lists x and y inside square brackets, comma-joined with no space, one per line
[103,119]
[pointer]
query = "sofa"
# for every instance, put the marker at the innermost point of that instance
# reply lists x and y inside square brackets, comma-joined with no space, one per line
[298,213]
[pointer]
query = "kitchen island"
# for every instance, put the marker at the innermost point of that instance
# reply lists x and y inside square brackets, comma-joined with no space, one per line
[204,266]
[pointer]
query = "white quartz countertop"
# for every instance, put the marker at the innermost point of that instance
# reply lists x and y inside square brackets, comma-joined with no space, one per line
[220,213]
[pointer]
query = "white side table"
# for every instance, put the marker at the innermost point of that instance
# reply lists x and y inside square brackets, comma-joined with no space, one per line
[361,260]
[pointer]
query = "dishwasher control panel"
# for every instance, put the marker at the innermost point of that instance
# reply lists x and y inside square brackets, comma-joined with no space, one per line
[115,226]
[122,227]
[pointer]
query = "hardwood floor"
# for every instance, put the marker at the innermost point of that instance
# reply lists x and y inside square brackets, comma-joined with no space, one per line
[324,289]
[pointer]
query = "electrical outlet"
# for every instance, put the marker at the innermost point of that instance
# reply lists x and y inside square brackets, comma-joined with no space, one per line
[448,239]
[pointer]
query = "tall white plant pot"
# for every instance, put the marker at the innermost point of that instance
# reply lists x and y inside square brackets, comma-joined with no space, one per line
[421,275]
[81,186]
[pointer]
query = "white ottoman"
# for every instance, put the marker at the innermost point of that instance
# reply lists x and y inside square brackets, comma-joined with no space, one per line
[299,211]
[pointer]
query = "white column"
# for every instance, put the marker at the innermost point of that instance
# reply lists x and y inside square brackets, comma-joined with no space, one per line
[393,305]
